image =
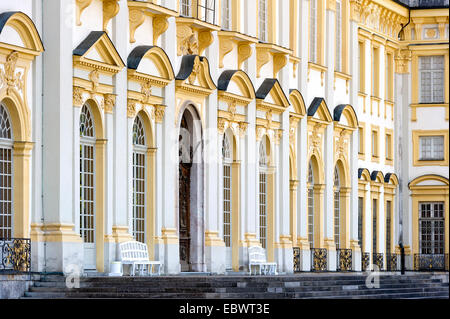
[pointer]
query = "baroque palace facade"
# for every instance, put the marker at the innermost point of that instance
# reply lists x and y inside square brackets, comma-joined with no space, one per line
[317,129]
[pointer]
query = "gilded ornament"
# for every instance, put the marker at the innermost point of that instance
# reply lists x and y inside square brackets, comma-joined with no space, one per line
[195,71]
[131,108]
[159,112]
[109,102]
[9,77]
[78,96]
[146,91]
[94,77]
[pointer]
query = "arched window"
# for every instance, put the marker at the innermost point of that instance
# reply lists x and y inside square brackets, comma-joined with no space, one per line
[310,186]
[139,171]
[227,159]
[262,20]
[263,194]
[87,176]
[6,172]
[337,207]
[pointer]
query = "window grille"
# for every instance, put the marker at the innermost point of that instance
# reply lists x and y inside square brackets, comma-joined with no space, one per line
[431,148]
[431,72]
[6,174]
[139,180]
[431,228]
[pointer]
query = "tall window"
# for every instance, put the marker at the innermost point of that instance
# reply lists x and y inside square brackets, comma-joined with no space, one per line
[388,227]
[263,194]
[362,65]
[313,31]
[431,227]
[337,207]
[374,143]
[6,169]
[185,8]
[139,171]
[374,229]
[226,14]
[87,176]
[262,20]
[227,159]
[431,72]
[375,71]
[360,220]
[338,66]
[206,10]
[311,205]
[389,77]
[431,148]
[388,146]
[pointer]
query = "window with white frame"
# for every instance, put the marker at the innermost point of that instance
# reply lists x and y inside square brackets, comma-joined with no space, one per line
[6,174]
[227,160]
[338,59]
[313,31]
[310,185]
[431,148]
[139,180]
[337,207]
[431,73]
[206,10]
[431,227]
[263,194]
[226,14]
[185,8]
[262,20]
[87,176]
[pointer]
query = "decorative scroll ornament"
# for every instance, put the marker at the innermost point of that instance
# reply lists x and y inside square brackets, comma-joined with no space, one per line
[136,18]
[278,136]
[316,138]
[131,108]
[269,119]
[78,96]
[187,40]
[402,58]
[221,123]
[160,25]
[109,102]
[94,78]
[9,77]
[110,10]
[319,259]
[340,145]
[292,129]
[259,132]
[242,128]
[195,71]
[232,110]
[159,113]
[345,259]
[146,90]
[244,52]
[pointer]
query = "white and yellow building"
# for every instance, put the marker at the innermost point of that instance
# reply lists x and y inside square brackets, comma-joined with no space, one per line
[203,127]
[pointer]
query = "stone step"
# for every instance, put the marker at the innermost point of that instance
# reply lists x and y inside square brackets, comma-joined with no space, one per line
[234,288]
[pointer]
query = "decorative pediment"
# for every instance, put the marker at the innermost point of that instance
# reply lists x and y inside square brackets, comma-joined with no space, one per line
[150,63]
[297,102]
[429,181]
[364,174]
[194,75]
[18,33]
[344,115]
[391,179]
[97,51]
[377,176]
[270,95]
[318,111]
[235,85]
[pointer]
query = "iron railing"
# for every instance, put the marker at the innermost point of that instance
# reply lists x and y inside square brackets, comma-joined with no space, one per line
[344,259]
[377,259]
[391,262]
[297,267]
[15,255]
[319,259]
[365,261]
[430,262]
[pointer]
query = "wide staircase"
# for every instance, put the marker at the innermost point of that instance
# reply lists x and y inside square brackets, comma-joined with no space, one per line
[305,285]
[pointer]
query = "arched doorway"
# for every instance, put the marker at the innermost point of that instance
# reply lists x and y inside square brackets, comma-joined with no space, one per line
[190,192]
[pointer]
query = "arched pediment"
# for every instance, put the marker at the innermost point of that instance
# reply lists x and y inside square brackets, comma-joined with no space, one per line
[236,82]
[391,178]
[377,176]
[429,180]
[97,51]
[270,94]
[25,29]
[364,174]
[150,61]
[319,110]
[345,115]
[194,75]
[296,99]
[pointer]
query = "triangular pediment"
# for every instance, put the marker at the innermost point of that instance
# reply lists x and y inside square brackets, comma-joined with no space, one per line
[98,51]
[270,92]
[319,110]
